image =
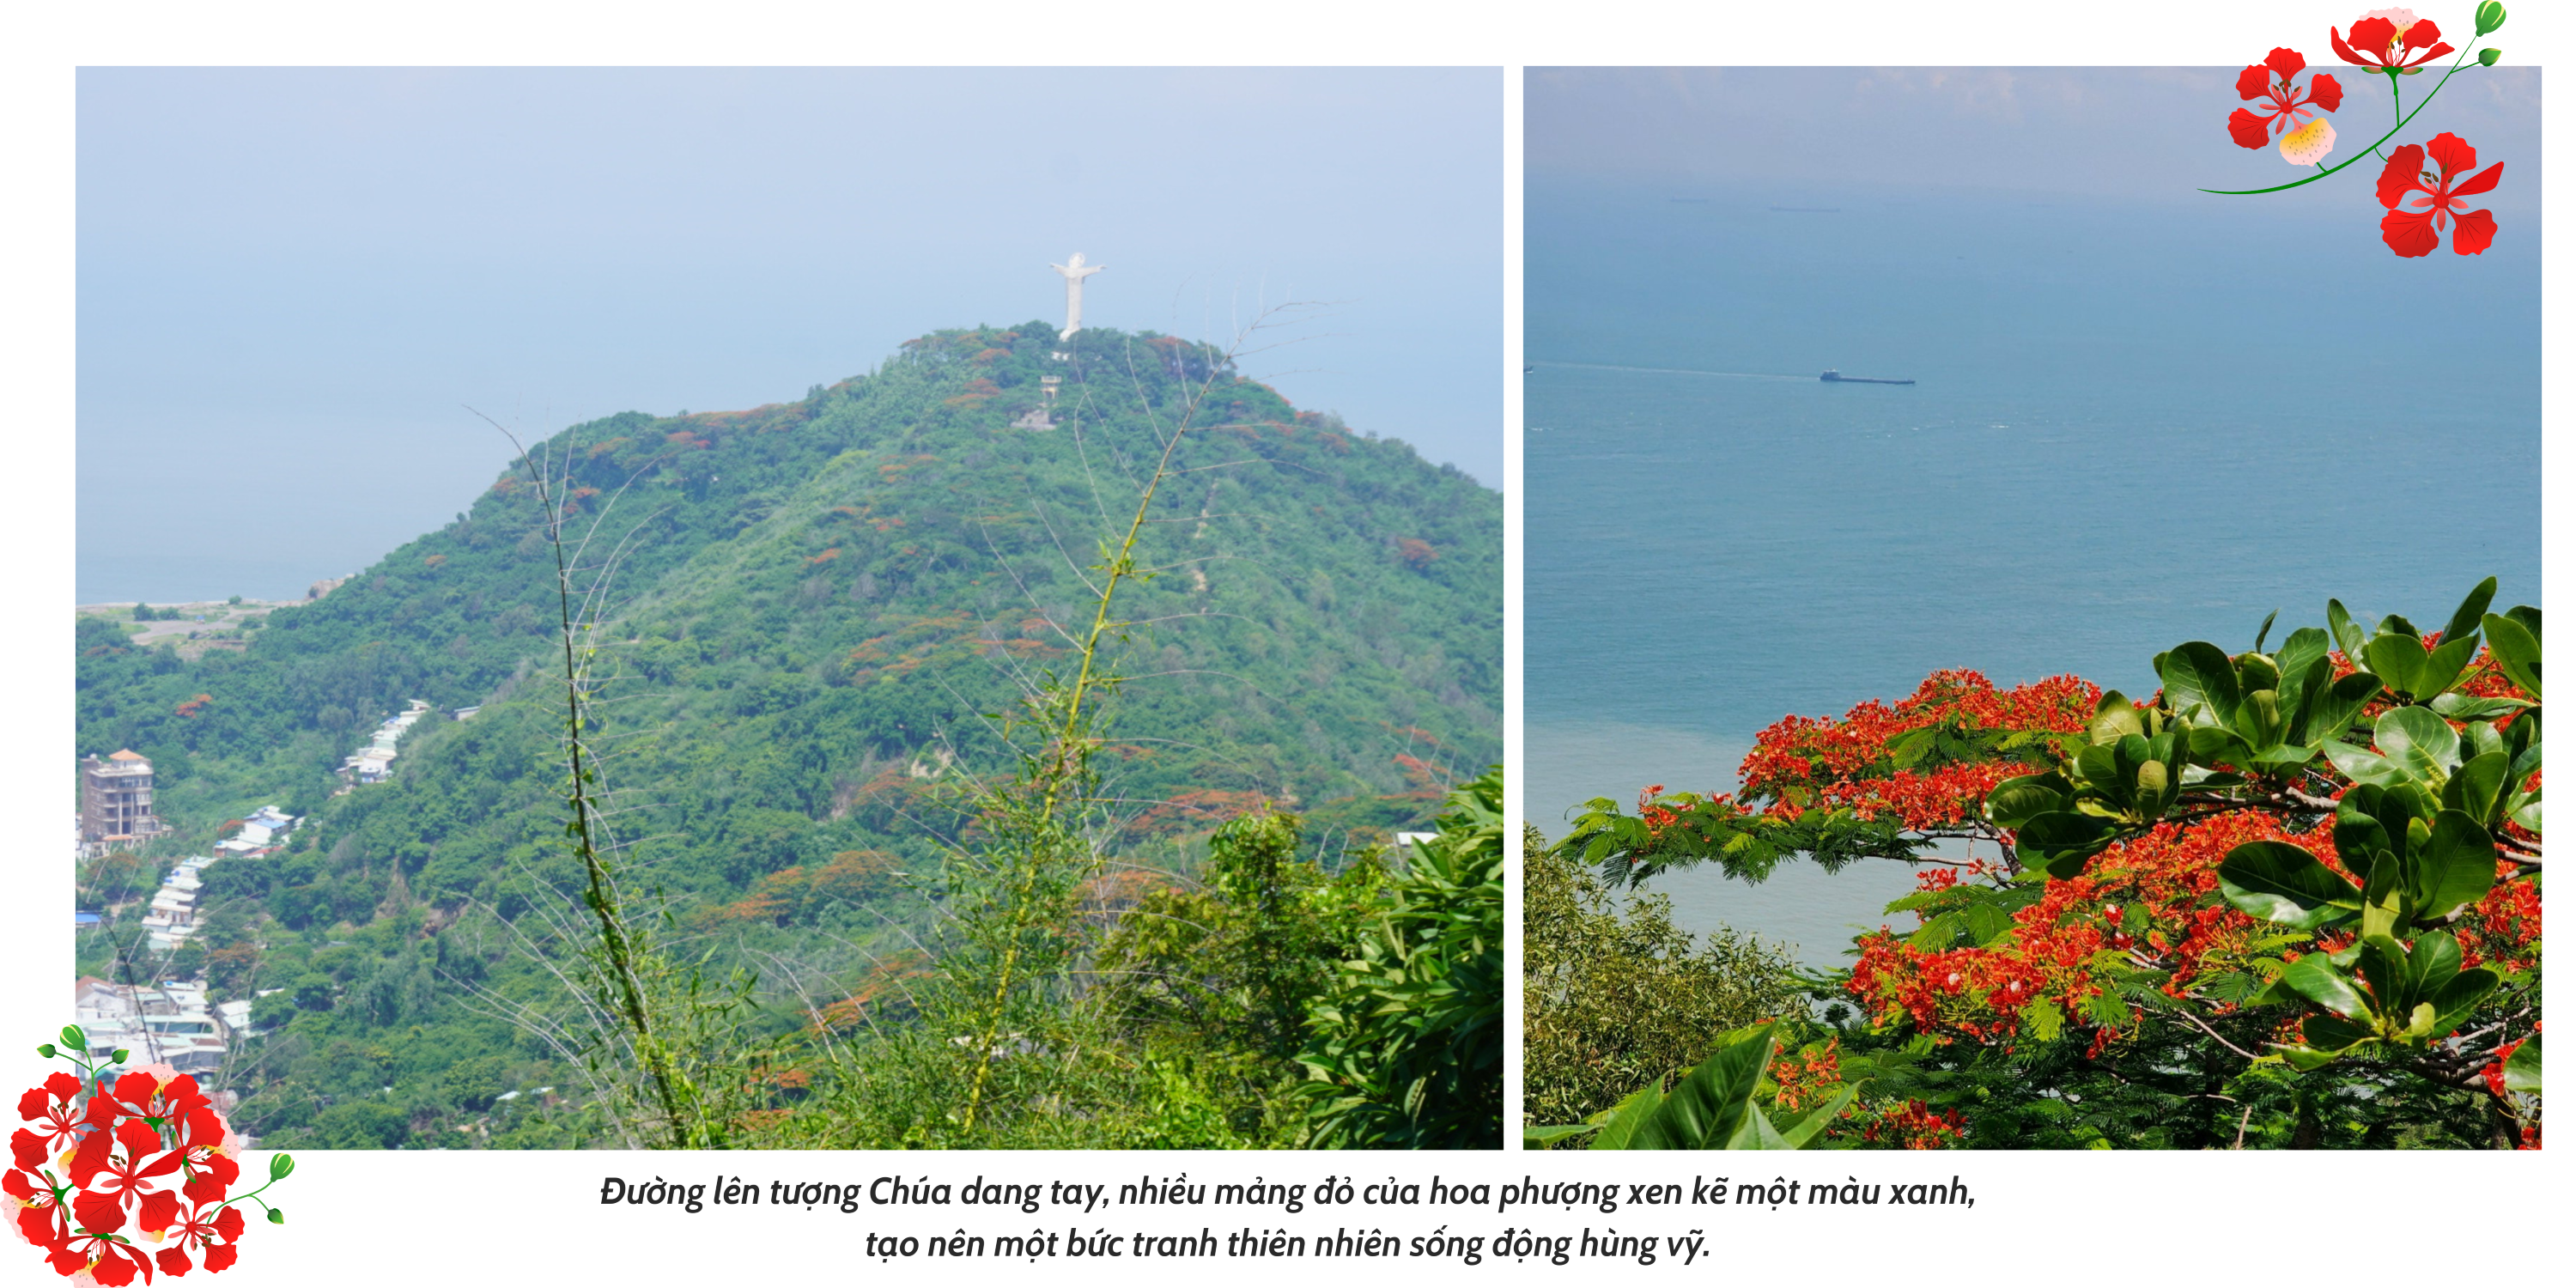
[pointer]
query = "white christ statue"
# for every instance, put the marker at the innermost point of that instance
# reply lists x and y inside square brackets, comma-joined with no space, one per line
[1074,272]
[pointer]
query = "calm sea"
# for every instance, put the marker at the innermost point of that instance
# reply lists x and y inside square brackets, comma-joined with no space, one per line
[2133,427]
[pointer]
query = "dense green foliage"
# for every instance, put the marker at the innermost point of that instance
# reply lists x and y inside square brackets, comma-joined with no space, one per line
[809,609]
[1405,1048]
[1615,997]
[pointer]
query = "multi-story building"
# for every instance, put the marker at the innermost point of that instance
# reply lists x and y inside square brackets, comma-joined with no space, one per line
[116,800]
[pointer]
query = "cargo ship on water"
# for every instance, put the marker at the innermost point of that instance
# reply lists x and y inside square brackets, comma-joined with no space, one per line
[1833,377]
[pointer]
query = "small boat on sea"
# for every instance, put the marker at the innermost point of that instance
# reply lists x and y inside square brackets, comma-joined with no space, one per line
[1833,377]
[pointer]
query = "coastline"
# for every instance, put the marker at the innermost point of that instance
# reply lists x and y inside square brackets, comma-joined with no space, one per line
[195,626]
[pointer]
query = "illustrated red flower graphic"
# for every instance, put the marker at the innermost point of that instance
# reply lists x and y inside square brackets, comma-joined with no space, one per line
[2382,39]
[210,1171]
[151,1162]
[39,1219]
[2303,141]
[202,1232]
[2415,231]
[108,1261]
[51,1107]
[145,1094]
[114,1181]
[26,1149]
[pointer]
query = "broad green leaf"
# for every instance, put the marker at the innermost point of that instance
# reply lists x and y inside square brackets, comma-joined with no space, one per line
[2527,616]
[1541,1137]
[2454,867]
[2347,633]
[2397,659]
[2282,758]
[2332,1033]
[2213,745]
[2383,896]
[2099,768]
[2478,790]
[2423,743]
[2315,978]
[2064,840]
[2517,650]
[2266,632]
[2255,673]
[2462,707]
[2336,705]
[2464,622]
[2443,666]
[1704,1111]
[1627,1116]
[2363,766]
[2198,675]
[2522,1068]
[1756,1132]
[2301,653]
[2114,717]
[2307,1059]
[2280,882]
[2261,719]
[2359,842]
[2524,743]
[2455,1001]
[2419,1022]
[2435,961]
[2016,801]
[2390,974]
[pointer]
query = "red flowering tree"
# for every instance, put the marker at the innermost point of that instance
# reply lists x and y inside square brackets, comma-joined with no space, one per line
[2291,898]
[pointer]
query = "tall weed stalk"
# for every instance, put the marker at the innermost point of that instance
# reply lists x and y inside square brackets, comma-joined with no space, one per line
[1034,842]
[655,1010]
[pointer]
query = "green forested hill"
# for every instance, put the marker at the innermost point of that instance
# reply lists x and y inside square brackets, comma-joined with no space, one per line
[811,606]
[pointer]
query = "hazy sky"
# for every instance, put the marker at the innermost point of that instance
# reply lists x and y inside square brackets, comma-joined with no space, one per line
[2144,134]
[292,281]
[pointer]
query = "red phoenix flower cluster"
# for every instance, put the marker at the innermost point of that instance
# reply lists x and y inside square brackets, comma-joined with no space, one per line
[1807,1078]
[1802,762]
[103,1164]
[2152,899]
[1915,1125]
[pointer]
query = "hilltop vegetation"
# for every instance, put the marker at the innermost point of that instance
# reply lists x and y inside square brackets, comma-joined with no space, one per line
[811,608]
